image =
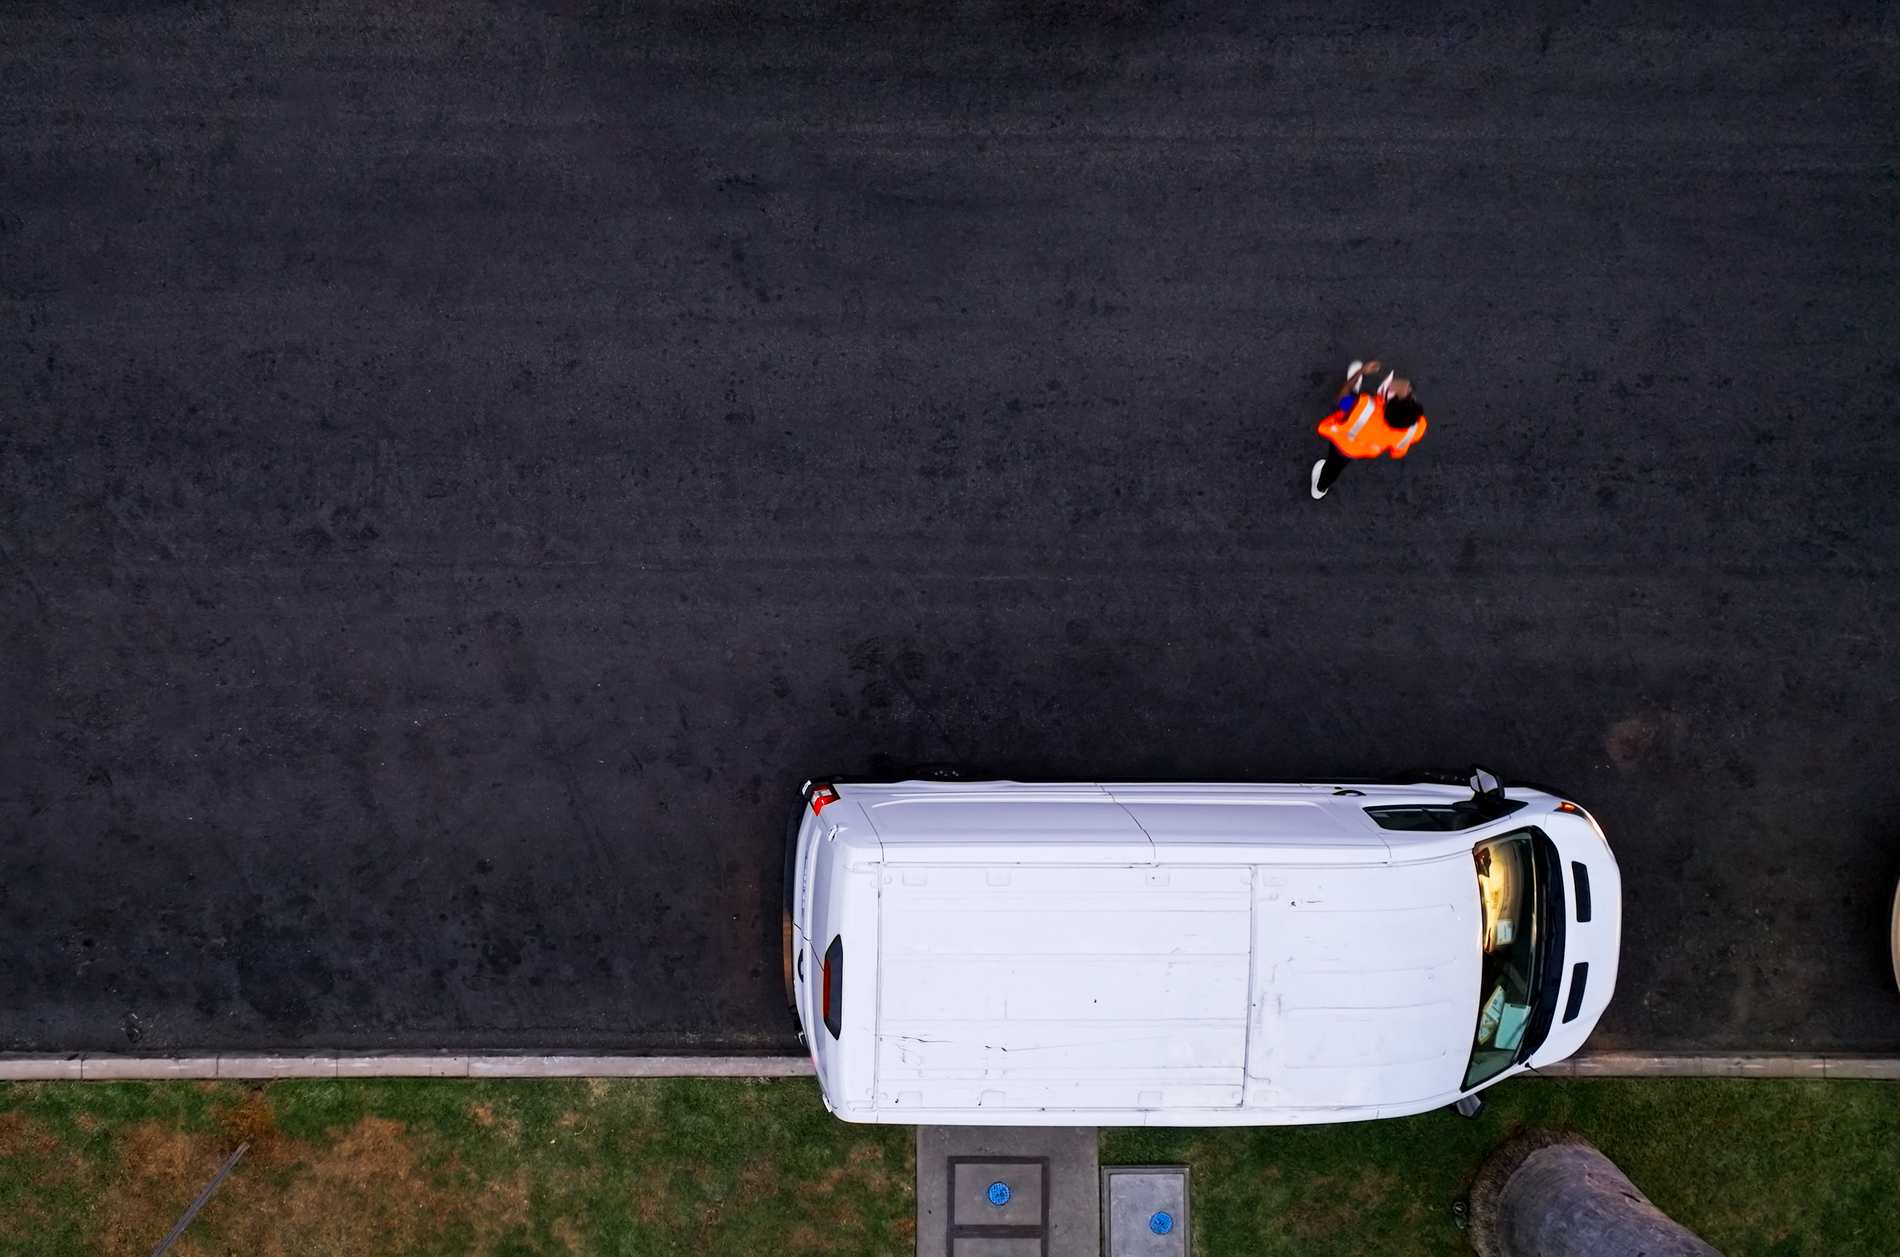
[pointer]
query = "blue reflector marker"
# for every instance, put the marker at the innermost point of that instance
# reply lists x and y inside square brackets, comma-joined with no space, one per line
[1162,1222]
[999,1193]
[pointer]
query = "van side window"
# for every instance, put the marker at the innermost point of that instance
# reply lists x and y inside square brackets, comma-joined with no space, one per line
[1440,817]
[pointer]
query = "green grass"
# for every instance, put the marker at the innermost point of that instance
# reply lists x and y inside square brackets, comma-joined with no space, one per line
[1754,1167]
[712,1168]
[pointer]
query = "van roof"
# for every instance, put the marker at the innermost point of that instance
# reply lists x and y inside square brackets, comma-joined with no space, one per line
[1086,987]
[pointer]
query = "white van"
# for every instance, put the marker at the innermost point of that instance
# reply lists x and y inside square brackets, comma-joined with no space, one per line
[1007,953]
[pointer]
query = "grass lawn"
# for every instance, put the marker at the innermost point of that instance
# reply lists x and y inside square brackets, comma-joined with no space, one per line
[709,1168]
[450,1167]
[1754,1167]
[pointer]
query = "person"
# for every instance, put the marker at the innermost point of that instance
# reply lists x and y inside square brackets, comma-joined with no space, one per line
[1389,419]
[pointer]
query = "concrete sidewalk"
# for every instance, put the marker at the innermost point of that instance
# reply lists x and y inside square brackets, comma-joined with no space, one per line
[87,1067]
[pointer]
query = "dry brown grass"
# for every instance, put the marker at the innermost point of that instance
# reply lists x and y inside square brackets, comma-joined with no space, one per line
[568,1235]
[21,1138]
[383,1170]
[359,1195]
[162,1170]
[362,1193]
[252,1121]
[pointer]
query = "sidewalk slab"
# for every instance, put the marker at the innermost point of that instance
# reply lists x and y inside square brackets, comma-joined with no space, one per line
[566,1066]
[158,1068]
[276,1067]
[111,1067]
[1641,1065]
[1672,1065]
[393,1066]
[1781,1067]
[1881,1068]
[41,1069]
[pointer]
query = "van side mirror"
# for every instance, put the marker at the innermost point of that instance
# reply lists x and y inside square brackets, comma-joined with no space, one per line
[1484,781]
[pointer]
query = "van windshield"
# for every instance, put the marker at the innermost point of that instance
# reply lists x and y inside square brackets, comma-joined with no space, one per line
[1509,903]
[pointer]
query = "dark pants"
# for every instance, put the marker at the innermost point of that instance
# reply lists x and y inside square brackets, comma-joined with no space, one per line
[1335,463]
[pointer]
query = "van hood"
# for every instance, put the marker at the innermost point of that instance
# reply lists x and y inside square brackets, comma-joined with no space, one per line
[1366,990]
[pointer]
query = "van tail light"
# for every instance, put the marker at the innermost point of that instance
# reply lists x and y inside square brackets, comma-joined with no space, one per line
[831,1003]
[820,796]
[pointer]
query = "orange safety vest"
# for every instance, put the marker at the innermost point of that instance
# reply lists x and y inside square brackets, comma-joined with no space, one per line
[1360,430]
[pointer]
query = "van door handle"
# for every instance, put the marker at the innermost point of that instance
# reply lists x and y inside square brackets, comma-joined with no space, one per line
[801,964]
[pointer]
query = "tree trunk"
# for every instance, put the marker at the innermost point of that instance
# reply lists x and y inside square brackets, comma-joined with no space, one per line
[1552,1195]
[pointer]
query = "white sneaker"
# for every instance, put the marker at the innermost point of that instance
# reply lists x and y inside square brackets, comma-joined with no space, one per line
[1353,368]
[1385,389]
[1318,492]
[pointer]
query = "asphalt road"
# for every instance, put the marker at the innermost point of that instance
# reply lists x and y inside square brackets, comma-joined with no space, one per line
[458,473]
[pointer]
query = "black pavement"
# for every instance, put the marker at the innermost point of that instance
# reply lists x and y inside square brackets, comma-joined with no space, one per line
[462,465]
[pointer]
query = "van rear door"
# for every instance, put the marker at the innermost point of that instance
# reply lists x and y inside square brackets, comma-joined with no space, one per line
[838,991]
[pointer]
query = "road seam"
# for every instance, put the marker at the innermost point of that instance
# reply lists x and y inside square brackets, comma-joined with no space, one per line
[107,1067]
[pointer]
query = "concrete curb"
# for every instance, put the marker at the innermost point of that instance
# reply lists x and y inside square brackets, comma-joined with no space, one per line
[105,1067]
[108,1067]
[1767,1065]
